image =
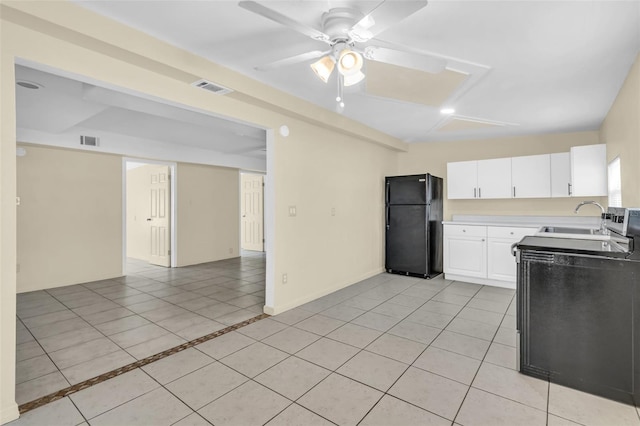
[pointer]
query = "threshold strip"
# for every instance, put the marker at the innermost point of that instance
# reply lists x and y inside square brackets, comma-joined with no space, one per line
[28,406]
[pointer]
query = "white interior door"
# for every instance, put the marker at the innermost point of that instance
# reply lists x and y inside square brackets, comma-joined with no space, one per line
[159,216]
[252,221]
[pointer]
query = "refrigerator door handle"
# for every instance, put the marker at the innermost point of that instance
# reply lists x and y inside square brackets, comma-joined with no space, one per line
[388,193]
[386,219]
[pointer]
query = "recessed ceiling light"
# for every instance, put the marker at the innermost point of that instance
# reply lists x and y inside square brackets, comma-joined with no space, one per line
[447,111]
[29,84]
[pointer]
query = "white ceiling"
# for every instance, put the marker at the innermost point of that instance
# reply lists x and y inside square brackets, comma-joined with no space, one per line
[71,108]
[534,66]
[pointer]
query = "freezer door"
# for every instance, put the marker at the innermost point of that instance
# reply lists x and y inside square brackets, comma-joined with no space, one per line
[406,242]
[406,189]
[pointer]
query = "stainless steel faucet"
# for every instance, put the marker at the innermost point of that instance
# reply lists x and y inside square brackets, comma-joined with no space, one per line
[603,228]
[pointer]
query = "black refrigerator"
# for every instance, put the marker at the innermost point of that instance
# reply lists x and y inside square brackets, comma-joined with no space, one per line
[413,209]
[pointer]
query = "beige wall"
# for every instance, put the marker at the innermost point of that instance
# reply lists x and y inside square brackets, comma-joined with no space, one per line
[208,212]
[621,132]
[66,37]
[8,225]
[320,253]
[69,218]
[433,158]
[138,210]
[327,161]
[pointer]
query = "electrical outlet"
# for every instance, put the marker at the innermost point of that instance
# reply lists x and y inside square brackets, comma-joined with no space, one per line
[284,278]
[292,211]
[333,211]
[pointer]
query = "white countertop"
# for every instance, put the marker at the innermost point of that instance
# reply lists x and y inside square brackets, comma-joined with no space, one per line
[525,221]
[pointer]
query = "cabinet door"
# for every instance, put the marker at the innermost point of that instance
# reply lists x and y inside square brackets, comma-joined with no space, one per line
[561,174]
[531,176]
[502,264]
[465,256]
[494,178]
[462,180]
[589,170]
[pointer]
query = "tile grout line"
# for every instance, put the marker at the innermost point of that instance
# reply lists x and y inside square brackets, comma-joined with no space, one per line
[23,408]
[45,353]
[92,290]
[423,351]
[360,350]
[481,362]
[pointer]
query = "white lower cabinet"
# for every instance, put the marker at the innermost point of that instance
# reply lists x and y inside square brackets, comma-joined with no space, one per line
[482,254]
[465,250]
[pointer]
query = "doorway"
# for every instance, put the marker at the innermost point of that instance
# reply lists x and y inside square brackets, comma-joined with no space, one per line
[149,213]
[252,212]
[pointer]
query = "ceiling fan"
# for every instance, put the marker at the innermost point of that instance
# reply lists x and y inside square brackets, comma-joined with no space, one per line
[344,29]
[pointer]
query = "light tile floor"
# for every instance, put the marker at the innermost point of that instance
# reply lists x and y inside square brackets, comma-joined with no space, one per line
[389,350]
[69,334]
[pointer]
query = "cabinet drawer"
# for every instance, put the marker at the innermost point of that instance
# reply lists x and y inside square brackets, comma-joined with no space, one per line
[509,232]
[465,230]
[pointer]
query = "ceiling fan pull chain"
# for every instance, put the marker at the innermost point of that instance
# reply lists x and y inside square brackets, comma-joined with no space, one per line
[340,97]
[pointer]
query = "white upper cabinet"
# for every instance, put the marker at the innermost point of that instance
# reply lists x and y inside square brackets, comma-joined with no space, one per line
[462,180]
[589,170]
[579,173]
[494,178]
[561,174]
[531,176]
[479,179]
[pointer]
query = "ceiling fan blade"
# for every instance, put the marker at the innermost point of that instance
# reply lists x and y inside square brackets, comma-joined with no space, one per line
[431,64]
[278,17]
[292,60]
[385,15]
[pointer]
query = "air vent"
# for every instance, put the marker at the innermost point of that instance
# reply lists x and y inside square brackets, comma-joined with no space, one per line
[89,140]
[211,87]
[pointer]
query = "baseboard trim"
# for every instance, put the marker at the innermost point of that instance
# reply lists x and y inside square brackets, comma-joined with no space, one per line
[278,309]
[483,281]
[9,413]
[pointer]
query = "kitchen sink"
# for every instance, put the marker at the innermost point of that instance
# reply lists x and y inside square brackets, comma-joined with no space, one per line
[567,230]
[571,232]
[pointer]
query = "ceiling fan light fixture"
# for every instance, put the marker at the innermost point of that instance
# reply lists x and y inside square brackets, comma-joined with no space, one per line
[350,80]
[323,67]
[349,62]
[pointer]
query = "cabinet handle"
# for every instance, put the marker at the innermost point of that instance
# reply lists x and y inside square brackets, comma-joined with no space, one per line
[514,192]
[474,193]
[482,240]
[511,232]
[464,230]
[479,192]
[569,186]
